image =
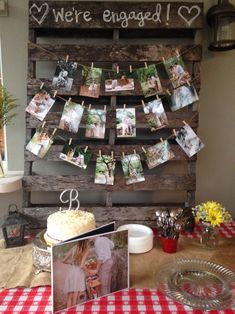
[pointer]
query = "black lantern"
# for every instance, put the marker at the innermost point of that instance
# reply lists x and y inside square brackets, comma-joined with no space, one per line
[13,227]
[221,18]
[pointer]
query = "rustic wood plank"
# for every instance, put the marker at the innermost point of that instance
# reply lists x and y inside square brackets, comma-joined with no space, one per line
[114,52]
[138,15]
[83,182]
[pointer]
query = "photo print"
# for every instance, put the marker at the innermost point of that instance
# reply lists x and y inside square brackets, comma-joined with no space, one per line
[87,268]
[176,71]
[71,117]
[126,122]
[40,104]
[91,78]
[158,154]
[104,170]
[64,75]
[188,140]
[40,143]
[95,125]
[75,155]
[182,97]
[119,82]
[155,114]
[132,169]
[149,80]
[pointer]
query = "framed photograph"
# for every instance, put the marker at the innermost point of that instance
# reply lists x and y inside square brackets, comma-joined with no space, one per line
[176,71]
[71,117]
[188,140]
[126,122]
[155,114]
[75,155]
[158,154]
[40,144]
[64,75]
[40,104]
[120,82]
[95,125]
[132,169]
[149,80]
[91,78]
[182,97]
[104,170]
[87,268]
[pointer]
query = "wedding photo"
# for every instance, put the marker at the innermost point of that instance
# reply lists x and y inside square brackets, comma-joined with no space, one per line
[155,114]
[75,155]
[182,97]
[132,169]
[126,122]
[71,117]
[40,104]
[158,154]
[39,144]
[176,71]
[120,82]
[104,170]
[64,75]
[95,125]
[88,268]
[188,140]
[149,80]
[91,78]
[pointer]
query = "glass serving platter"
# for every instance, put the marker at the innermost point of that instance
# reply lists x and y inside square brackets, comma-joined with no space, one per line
[197,283]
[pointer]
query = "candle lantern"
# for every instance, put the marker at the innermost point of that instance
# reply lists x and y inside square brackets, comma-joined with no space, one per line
[221,18]
[13,227]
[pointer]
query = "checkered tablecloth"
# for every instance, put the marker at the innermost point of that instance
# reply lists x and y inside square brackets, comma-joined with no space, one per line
[131,301]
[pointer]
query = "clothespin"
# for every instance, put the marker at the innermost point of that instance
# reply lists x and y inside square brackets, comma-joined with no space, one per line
[143,104]
[55,93]
[92,65]
[86,148]
[157,97]
[124,106]
[145,65]
[168,92]
[89,107]
[177,53]
[82,104]
[185,123]
[163,60]
[41,87]
[130,68]
[99,152]
[188,83]
[70,141]
[43,125]
[174,132]
[117,68]
[53,133]
[68,101]
[143,149]
[134,151]
[161,139]
[112,154]
[105,107]
[67,59]
[123,155]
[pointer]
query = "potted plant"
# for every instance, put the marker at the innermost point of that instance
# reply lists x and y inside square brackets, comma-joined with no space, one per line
[7,104]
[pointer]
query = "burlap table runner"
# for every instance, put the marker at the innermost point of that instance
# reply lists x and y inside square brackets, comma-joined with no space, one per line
[17,270]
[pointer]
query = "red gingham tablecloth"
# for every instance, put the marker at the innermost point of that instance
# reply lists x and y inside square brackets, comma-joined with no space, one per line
[130,301]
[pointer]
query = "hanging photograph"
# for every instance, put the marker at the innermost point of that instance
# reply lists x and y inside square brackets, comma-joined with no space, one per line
[182,97]
[95,125]
[126,122]
[158,154]
[149,80]
[91,78]
[104,170]
[155,114]
[40,104]
[188,140]
[75,155]
[176,71]
[39,144]
[132,169]
[64,75]
[119,82]
[71,117]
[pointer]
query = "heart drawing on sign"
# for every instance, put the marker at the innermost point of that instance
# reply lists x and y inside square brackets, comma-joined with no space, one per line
[189,14]
[39,13]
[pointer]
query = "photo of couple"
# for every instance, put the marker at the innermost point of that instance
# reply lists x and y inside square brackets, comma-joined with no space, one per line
[121,82]
[75,155]
[91,78]
[71,117]
[182,97]
[64,75]
[125,122]
[155,114]
[39,144]
[132,169]
[176,71]
[89,268]
[158,154]
[104,170]
[95,125]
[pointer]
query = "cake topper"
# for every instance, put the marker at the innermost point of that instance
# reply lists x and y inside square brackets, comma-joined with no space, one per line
[72,196]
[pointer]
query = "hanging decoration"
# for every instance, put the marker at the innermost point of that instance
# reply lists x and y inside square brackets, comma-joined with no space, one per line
[95,125]
[71,116]
[91,78]
[188,140]
[158,154]
[132,168]
[119,82]
[75,155]
[155,114]
[126,122]
[182,96]
[104,170]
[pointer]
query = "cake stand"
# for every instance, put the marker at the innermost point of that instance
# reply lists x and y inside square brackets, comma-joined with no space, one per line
[41,254]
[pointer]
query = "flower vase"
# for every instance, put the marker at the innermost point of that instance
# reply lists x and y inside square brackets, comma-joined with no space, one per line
[169,245]
[209,237]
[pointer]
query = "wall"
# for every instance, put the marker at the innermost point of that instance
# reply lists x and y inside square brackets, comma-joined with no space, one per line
[215,167]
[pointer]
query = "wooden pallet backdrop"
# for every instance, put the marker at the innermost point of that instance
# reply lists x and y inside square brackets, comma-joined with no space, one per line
[110,42]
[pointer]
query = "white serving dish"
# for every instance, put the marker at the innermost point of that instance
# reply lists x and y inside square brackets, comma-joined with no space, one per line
[140,238]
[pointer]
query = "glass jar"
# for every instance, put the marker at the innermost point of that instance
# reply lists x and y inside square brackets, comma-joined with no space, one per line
[209,236]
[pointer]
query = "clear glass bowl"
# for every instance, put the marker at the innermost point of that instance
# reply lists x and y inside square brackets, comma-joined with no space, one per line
[197,283]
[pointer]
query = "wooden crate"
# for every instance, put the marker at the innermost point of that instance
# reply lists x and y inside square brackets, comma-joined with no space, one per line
[110,44]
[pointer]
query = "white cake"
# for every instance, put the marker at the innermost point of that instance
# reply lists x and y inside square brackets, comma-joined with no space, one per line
[67,224]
